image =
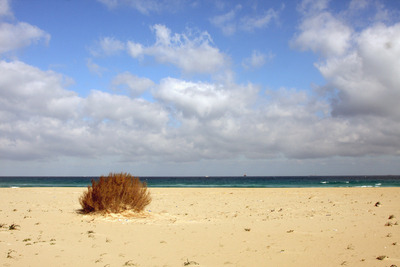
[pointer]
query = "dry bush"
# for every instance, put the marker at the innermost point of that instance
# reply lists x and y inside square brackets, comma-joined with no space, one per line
[115,193]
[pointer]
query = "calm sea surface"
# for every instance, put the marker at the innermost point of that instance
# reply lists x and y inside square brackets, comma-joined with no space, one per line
[217,181]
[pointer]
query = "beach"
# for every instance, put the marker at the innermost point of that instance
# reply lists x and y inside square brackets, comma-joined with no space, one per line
[205,227]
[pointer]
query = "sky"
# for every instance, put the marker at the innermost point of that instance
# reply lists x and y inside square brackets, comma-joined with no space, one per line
[191,87]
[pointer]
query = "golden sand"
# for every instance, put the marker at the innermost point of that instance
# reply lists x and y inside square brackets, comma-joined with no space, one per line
[205,227]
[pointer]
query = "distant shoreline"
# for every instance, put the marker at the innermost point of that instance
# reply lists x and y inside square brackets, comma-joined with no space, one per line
[214,181]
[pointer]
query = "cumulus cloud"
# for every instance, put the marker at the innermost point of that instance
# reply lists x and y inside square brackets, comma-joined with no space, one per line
[358,4]
[258,22]
[35,111]
[5,9]
[367,78]
[354,115]
[111,109]
[145,6]
[111,46]
[192,52]
[16,36]
[187,121]
[37,93]
[135,85]
[362,74]
[94,68]
[226,21]
[40,118]
[107,46]
[257,60]
[203,100]
[109,3]
[323,33]
[310,7]
[135,50]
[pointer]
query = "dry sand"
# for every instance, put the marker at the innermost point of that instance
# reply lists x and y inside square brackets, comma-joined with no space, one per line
[208,227]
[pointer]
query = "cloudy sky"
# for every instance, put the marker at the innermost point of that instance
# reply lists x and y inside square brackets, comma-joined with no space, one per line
[199,87]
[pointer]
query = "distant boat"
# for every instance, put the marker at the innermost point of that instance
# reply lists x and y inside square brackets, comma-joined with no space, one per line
[245,175]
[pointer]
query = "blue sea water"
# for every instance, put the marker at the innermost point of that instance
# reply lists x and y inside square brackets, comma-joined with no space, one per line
[215,181]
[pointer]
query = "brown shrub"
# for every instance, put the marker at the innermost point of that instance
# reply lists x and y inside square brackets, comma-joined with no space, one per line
[115,193]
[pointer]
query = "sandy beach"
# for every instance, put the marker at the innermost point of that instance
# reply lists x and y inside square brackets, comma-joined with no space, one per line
[205,227]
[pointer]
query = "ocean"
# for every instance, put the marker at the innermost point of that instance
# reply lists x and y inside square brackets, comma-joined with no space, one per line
[214,181]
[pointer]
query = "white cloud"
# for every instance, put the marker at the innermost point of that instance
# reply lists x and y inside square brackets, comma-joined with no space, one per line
[108,109]
[309,7]
[135,50]
[145,6]
[16,36]
[187,121]
[136,85]
[250,23]
[40,119]
[191,52]
[107,46]
[356,113]
[94,68]
[323,33]
[36,114]
[368,77]
[358,4]
[257,60]
[385,15]
[202,100]
[362,74]
[226,21]
[111,46]
[109,3]
[5,9]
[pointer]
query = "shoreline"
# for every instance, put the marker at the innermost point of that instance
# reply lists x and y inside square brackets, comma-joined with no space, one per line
[216,188]
[333,226]
[217,181]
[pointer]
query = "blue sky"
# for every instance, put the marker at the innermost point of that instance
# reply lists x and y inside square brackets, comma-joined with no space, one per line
[199,87]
